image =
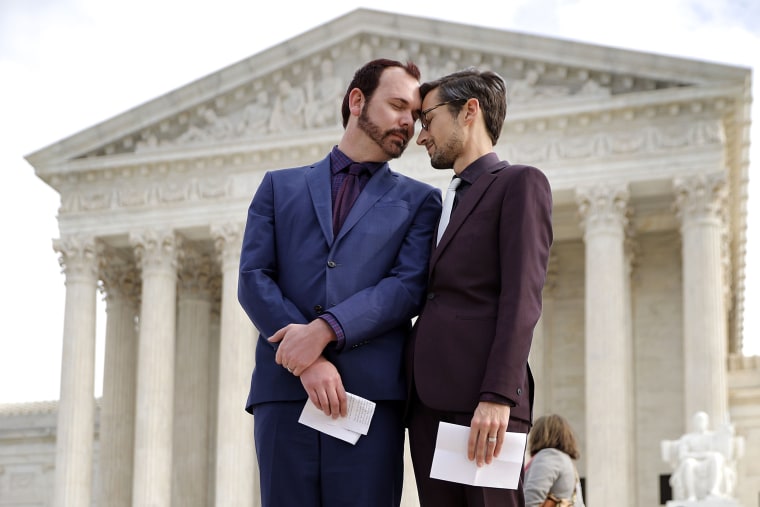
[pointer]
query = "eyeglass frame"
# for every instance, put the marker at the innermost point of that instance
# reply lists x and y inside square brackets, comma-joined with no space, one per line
[424,124]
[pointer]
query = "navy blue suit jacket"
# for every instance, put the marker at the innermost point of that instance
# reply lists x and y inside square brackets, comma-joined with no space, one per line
[371,277]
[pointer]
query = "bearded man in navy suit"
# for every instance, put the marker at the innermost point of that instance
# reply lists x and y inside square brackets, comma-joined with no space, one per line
[332,270]
[468,356]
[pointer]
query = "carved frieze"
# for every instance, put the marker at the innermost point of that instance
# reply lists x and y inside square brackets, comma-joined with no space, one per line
[306,94]
[645,133]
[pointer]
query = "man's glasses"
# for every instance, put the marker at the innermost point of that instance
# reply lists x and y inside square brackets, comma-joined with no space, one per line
[424,122]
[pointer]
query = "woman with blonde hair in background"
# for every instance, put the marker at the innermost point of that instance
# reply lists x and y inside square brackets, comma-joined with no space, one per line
[551,478]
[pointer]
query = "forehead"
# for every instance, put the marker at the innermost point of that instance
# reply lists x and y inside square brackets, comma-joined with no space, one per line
[431,99]
[396,83]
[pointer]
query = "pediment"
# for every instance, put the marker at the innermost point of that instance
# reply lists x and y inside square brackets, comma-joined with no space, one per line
[295,89]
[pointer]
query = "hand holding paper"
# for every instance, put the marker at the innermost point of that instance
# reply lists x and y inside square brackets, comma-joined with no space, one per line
[450,461]
[349,428]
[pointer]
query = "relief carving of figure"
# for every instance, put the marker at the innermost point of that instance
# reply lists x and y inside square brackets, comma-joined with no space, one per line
[213,127]
[323,98]
[288,111]
[256,115]
[528,89]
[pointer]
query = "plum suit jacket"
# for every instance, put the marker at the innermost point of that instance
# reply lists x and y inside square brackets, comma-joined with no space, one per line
[371,276]
[484,293]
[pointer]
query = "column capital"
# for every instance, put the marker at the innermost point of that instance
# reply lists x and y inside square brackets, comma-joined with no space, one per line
[552,273]
[701,197]
[78,256]
[228,239]
[120,278]
[603,206]
[196,273]
[157,248]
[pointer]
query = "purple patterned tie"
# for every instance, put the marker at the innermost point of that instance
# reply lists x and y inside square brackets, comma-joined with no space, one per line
[347,194]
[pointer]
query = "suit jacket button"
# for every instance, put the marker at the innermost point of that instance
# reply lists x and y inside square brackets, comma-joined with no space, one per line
[431,295]
[331,264]
[319,310]
[519,390]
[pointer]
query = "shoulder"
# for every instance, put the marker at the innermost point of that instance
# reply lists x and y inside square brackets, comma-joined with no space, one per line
[289,172]
[553,458]
[408,181]
[520,172]
[413,190]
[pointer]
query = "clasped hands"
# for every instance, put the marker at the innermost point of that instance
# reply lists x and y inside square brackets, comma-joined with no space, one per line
[300,352]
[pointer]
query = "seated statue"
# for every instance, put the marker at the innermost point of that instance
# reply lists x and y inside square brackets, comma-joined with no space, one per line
[703,461]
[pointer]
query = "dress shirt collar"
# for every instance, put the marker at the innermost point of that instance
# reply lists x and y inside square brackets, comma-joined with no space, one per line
[475,170]
[339,161]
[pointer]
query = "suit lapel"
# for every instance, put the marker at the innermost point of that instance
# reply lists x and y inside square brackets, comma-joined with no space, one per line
[318,181]
[464,208]
[380,183]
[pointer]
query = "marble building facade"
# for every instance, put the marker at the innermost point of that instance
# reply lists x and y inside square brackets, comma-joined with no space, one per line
[648,160]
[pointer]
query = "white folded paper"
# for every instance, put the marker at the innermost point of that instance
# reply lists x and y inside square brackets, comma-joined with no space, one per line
[349,428]
[450,461]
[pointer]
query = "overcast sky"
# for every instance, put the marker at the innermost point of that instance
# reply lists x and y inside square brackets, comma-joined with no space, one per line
[66,65]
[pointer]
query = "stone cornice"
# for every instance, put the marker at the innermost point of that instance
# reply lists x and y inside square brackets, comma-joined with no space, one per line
[563,118]
[350,40]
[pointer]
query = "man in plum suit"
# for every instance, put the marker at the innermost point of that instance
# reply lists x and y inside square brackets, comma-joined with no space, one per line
[468,356]
[332,270]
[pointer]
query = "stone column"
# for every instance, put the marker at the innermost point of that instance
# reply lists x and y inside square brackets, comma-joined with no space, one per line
[213,385]
[609,386]
[121,284]
[237,475]
[700,202]
[191,392]
[540,366]
[76,407]
[157,256]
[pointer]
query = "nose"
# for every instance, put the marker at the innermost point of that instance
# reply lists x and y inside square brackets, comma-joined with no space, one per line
[422,137]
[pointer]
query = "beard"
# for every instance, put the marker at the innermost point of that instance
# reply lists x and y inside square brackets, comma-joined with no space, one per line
[386,140]
[445,156]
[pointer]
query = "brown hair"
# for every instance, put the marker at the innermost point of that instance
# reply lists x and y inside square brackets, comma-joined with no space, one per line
[553,431]
[486,86]
[367,78]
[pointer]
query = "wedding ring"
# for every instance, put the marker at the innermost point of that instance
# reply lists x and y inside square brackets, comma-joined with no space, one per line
[289,370]
[492,440]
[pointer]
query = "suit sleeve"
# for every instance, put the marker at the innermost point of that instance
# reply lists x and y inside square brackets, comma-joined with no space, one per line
[397,297]
[525,237]
[258,292]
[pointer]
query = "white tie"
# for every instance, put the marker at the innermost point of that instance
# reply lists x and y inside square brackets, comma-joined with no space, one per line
[448,204]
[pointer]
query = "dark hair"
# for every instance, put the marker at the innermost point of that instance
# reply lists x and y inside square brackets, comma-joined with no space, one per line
[486,86]
[367,78]
[553,432]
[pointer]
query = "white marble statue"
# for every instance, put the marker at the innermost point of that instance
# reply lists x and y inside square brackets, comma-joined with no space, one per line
[704,462]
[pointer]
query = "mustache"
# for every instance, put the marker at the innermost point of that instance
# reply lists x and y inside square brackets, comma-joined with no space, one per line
[398,131]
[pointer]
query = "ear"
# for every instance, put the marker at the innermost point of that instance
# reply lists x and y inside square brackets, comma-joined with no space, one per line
[355,101]
[471,110]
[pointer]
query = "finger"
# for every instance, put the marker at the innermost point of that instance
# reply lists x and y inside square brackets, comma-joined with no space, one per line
[334,404]
[278,357]
[277,336]
[314,397]
[499,444]
[472,443]
[343,401]
[482,449]
[491,443]
[325,402]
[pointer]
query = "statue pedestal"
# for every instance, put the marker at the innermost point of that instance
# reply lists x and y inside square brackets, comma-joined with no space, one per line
[711,501]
